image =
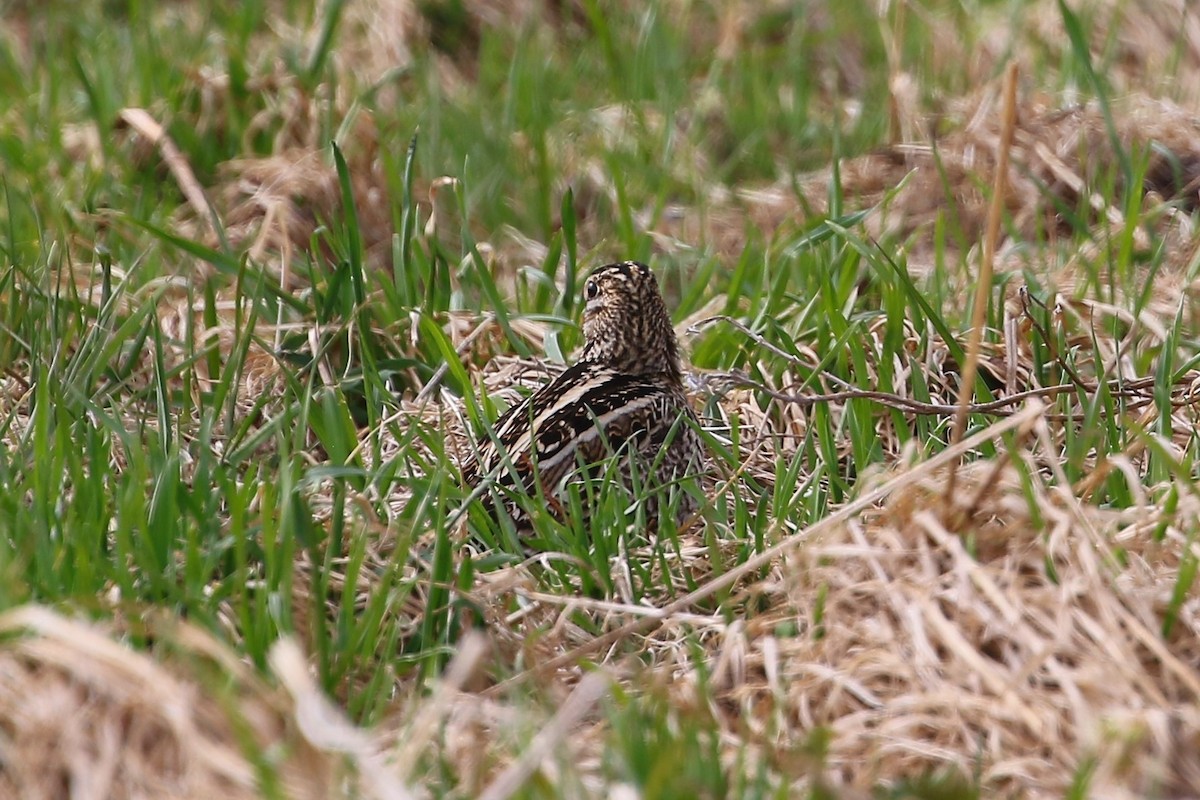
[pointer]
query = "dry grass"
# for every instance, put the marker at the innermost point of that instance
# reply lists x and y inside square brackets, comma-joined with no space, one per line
[944,640]
[82,712]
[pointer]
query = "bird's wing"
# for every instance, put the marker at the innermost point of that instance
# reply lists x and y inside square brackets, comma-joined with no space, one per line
[512,436]
[583,415]
[609,413]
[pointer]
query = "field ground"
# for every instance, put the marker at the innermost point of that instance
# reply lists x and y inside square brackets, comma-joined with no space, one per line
[266,265]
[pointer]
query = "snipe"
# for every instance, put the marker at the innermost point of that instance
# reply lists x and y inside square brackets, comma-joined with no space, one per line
[623,396]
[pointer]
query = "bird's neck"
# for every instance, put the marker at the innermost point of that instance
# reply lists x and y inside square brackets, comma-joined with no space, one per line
[660,362]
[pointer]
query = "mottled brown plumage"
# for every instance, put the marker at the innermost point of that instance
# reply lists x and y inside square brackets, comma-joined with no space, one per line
[624,395]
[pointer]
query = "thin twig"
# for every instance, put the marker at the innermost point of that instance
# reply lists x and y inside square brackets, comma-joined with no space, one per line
[1129,390]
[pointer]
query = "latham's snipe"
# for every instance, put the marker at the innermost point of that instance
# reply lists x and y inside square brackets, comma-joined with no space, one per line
[623,396]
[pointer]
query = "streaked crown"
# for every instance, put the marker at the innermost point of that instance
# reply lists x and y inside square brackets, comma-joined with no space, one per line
[626,325]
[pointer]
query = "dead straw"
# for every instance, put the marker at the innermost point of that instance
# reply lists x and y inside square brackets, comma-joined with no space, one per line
[983,285]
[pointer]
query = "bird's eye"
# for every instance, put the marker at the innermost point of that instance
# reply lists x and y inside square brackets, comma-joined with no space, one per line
[591,290]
